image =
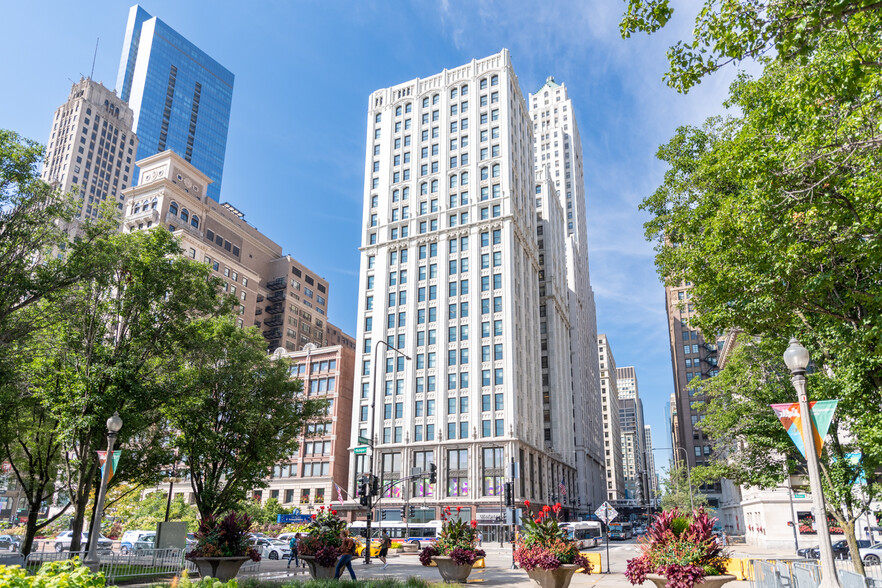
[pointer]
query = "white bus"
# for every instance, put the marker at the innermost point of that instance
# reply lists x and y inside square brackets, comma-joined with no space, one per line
[621,530]
[412,533]
[585,533]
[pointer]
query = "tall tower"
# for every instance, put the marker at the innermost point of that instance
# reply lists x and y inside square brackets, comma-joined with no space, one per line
[449,277]
[92,147]
[693,358]
[612,430]
[180,96]
[558,147]
[633,449]
[651,476]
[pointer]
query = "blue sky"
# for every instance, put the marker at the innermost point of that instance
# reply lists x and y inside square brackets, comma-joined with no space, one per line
[295,153]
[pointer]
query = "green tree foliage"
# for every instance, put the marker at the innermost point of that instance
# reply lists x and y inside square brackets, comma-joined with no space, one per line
[138,510]
[728,32]
[681,490]
[237,412]
[111,354]
[753,448]
[265,513]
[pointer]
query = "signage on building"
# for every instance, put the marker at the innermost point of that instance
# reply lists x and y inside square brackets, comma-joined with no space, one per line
[363,440]
[360,450]
[287,519]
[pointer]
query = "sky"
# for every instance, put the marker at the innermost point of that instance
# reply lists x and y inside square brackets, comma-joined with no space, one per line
[296,148]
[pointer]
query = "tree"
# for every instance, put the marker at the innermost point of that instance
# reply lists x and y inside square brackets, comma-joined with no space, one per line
[729,32]
[139,509]
[236,412]
[751,447]
[112,353]
[681,490]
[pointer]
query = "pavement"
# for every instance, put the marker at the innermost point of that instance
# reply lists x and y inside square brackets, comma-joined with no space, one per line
[497,571]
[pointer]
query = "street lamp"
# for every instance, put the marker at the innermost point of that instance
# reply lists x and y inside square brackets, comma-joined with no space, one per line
[114,424]
[797,359]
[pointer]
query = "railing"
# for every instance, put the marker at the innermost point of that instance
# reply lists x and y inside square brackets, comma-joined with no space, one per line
[146,563]
[789,573]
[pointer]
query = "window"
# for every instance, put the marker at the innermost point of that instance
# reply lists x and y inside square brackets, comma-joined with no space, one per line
[457,471]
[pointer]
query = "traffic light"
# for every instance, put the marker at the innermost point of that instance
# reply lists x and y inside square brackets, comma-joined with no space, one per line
[509,499]
[383,514]
[403,513]
[362,486]
[412,510]
[433,473]
[375,486]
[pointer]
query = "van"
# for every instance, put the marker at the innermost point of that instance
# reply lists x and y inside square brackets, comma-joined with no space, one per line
[127,543]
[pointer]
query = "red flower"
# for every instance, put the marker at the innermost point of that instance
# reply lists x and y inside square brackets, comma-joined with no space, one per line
[333,512]
[556,508]
[458,508]
[313,516]
[527,503]
[538,520]
[546,508]
[474,524]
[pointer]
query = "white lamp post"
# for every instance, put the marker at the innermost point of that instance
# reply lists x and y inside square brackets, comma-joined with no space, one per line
[114,424]
[797,359]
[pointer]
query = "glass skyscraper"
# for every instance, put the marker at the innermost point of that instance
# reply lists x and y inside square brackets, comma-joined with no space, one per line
[181,97]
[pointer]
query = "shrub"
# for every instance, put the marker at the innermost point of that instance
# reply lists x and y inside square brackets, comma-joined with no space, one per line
[226,537]
[68,573]
[457,540]
[544,543]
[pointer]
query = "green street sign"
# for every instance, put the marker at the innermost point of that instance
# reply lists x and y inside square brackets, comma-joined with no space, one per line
[360,450]
[799,495]
[364,440]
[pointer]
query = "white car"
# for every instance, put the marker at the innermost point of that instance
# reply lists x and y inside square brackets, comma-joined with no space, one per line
[871,555]
[129,538]
[62,542]
[272,548]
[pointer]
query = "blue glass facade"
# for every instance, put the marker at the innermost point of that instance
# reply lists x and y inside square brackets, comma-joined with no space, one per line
[181,97]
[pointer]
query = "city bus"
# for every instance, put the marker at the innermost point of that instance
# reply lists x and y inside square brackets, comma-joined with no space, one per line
[620,530]
[585,533]
[413,533]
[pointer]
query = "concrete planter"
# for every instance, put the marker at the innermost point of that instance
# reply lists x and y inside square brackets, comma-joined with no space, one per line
[410,548]
[708,582]
[559,578]
[222,568]
[452,572]
[316,571]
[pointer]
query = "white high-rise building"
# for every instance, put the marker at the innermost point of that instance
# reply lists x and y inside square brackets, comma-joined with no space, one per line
[91,148]
[631,422]
[558,149]
[612,432]
[651,476]
[449,277]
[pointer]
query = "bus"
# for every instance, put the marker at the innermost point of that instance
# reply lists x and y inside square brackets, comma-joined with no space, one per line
[585,533]
[620,531]
[412,533]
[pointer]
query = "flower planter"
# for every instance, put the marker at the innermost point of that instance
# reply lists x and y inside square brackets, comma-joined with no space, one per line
[452,572]
[222,568]
[708,582]
[557,578]
[316,571]
[410,548]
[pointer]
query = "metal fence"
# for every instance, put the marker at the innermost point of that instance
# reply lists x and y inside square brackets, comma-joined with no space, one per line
[801,573]
[146,563]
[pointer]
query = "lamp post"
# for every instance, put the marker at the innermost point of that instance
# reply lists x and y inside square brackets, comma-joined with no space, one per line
[376,370]
[797,359]
[114,424]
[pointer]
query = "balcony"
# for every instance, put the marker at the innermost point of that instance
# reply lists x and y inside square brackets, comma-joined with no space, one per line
[277,284]
[276,296]
[274,321]
[257,324]
[273,334]
[277,308]
[273,345]
[258,311]
[260,297]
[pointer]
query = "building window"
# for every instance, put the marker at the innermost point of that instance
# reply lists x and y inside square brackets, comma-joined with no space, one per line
[457,472]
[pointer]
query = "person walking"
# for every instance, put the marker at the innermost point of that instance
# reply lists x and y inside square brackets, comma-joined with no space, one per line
[385,543]
[480,538]
[347,549]
[293,544]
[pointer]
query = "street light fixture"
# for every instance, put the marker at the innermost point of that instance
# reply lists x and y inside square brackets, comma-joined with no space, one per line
[114,424]
[796,357]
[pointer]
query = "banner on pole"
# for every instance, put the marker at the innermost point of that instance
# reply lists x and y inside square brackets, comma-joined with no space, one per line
[821,415]
[102,459]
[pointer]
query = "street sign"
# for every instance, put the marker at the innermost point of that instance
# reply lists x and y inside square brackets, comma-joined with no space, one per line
[363,440]
[800,495]
[606,513]
[360,450]
[286,519]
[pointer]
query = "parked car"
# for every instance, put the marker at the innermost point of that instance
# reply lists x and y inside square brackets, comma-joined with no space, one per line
[808,552]
[871,555]
[127,542]
[273,548]
[144,543]
[10,542]
[840,549]
[359,547]
[62,542]
[191,541]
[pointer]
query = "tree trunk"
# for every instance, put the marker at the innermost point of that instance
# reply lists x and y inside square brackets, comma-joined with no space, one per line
[31,527]
[848,529]
[84,488]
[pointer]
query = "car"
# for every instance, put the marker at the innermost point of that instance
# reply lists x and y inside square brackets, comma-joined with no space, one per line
[191,540]
[129,538]
[10,542]
[871,555]
[840,549]
[62,542]
[146,542]
[359,547]
[808,552]
[273,548]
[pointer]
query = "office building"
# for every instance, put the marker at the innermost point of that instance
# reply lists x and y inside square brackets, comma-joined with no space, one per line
[693,359]
[180,96]
[652,494]
[276,294]
[449,277]
[633,450]
[91,149]
[612,432]
[557,149]
[335,336]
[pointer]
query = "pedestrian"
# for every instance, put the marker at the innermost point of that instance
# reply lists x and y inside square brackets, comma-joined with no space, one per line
[480,538]
[385,544]
[725,539]
[293,544]
[347,550]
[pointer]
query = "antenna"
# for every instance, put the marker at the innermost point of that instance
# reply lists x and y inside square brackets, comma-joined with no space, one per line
[93,57]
